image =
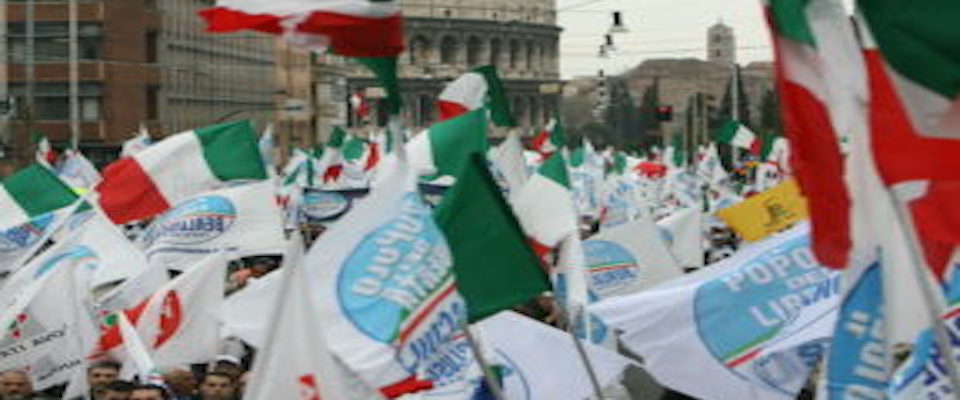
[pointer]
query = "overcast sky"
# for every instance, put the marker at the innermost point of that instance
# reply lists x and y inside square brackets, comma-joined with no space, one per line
[658,29]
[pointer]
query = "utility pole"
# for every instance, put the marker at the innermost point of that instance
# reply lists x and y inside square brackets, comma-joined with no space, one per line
[73,27]
[735,93]
[29,76]
[4,78]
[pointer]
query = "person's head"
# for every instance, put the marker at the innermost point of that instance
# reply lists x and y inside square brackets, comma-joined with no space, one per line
[101,373]
[218,386]
[117,390]
[242,382]
[15,384]
[149,392]
[181,382]
[229,365]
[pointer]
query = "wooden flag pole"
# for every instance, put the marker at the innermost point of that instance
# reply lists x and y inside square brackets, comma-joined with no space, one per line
[488,376]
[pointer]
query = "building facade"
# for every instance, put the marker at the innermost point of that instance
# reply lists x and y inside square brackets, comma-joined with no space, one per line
[446,38]
[149,62]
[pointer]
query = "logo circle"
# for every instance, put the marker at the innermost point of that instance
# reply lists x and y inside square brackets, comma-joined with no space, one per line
[322,205]
[611,267]
[195,221]
[23,236]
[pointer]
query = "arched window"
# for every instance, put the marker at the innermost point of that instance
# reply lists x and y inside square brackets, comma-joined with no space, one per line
[495,53]
[449,47]
[420,50]
[530,56]
[534,112]
[474,48]
[514,53]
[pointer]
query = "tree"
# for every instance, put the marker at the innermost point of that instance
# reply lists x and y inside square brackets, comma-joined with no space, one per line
[725,113]
[770,119]
[649,124]
[622,115]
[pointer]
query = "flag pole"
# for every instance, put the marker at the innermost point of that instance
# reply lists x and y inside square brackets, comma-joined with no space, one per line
[581,351]
[934,307]
[482,361]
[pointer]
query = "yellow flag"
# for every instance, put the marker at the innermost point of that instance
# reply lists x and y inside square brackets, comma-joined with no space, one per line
[767,213]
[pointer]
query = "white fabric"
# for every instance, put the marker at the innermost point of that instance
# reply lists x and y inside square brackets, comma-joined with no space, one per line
[181,321]
[295,360]
[96,244]
[299,7]
[545,210]
[469,91]
[508,161]
[381,278]
[77,171]
[628,258]
[244,219]
[719,321]
[170,161]
[420,154]
[684,237]
[11,214]
[541,362]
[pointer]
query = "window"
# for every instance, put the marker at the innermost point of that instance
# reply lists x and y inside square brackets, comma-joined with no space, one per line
[52,100]
[474,46]
[448,50]
[152,47]
[153,103]
[51,41]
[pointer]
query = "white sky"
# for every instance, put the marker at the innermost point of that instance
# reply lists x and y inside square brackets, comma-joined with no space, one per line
[658,29]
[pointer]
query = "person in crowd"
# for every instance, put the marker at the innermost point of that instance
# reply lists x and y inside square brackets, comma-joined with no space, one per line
[228,364]
[218,386]
[182,383]
[99,375]
[117,390]
[15,385]
[149,392]
[242,384]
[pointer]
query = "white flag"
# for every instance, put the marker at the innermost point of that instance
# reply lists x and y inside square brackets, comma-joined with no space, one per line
[180,323]
[388,301]
[295,362]
[245,220]
[726,318]
[628,258]
[541,362]
[509,165]
[682,232]
[77,171]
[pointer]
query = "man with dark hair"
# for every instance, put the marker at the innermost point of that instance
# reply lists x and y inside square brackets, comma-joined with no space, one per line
[100,374]
[117,390]
[218,386]
[182,383]
[149,392]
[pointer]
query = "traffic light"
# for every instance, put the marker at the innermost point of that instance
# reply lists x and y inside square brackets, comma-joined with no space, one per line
[665,113]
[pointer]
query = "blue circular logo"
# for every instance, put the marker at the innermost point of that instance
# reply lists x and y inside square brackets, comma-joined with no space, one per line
[739,313]
[23,236]
[194,221]
[324,205]
[611,267]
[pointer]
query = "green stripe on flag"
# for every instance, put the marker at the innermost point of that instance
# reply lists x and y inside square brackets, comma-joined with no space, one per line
[452,141]
[385,69]
[919,39]
[790,19]
[496,97]
[494,266]
[555,169]
[337,137]
[38,191]
[231,151]
[354,148]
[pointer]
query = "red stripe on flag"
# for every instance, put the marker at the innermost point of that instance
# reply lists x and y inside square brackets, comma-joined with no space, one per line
[128,194]
[405,334]
[332,173]
[347,35]
[449,109]
[222,20]
[818,166]
[406,386]
[374,158]
[354,36]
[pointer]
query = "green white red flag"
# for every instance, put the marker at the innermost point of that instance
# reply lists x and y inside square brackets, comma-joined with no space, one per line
[475,89]
[30,193]
[153,180]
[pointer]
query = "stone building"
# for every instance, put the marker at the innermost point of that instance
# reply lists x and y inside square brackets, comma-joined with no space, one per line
[446,38]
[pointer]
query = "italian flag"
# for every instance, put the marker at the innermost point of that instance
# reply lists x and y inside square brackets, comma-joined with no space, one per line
[738,135]
[332,159]
[495,267]
[30,193]
[362,153]
[370,31]
[809,39]
[180,166]
[551,139]
[914,81]
[351,28]
[445,147]
[475,89]
[544,206]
